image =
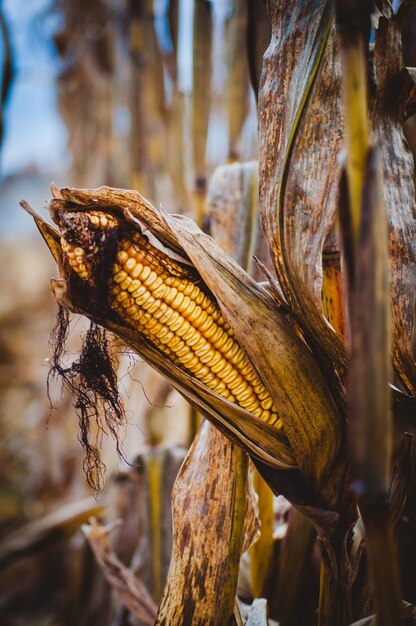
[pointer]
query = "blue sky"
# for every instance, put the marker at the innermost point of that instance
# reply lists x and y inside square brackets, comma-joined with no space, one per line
[34,132]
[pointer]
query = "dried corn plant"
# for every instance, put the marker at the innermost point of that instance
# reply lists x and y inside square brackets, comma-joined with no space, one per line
[296,371]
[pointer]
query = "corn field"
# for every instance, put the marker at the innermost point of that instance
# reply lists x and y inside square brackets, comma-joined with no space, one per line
[232,321]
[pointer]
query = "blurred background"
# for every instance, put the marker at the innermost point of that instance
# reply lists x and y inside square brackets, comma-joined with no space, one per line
[144,94]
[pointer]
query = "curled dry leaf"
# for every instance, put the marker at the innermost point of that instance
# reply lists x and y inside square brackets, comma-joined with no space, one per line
[129,589]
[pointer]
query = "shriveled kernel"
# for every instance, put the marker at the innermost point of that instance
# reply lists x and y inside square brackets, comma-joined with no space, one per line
[123,295]
[120,276]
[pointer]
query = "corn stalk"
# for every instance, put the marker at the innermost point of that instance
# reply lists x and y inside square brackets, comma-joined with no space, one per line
[366,248]
[201,100]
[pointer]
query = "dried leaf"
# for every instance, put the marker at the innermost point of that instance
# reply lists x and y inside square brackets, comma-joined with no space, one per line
[130,590]
[393,89]
[300,131]
[53,527]
[234,220]
[313,426]
[302,68]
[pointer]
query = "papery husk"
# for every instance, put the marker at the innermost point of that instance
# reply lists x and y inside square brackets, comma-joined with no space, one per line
[235,226]
[254,435]
[285,365]
[313,426]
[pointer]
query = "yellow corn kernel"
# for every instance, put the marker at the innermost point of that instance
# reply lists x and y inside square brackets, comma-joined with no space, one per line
[163,301]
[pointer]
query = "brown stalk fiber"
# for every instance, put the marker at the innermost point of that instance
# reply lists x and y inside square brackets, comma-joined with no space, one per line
[175,117]
[147,98]
[366,246]
[201,100]
[234,224]
[238,91]
[258,39]
[207,533]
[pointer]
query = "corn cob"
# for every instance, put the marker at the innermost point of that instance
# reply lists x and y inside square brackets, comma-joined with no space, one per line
[163,301]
